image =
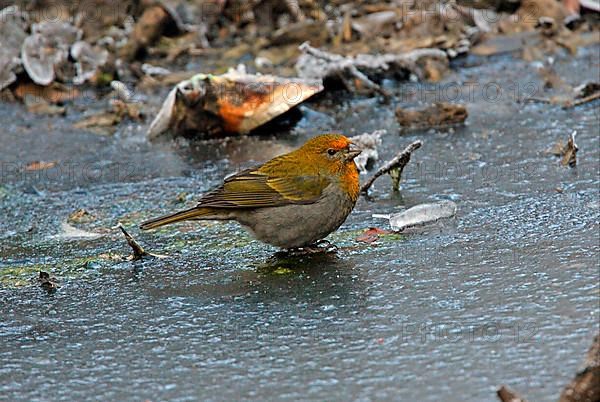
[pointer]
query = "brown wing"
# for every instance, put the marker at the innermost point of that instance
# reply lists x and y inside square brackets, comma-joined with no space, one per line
[255,189]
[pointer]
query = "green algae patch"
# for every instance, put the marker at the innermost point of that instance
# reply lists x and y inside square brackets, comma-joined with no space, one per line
[282,271]
[392,237]
[26,275]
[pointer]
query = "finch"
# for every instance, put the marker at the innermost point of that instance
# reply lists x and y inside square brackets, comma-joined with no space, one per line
[291,201]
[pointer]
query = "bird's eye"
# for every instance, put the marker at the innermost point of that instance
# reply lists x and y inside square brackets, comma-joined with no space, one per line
[331,151]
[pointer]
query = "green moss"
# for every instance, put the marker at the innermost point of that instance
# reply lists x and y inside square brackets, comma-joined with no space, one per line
[392,237]
[26,275]
[282,271]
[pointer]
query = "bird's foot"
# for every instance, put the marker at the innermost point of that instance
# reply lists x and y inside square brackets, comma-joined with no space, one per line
[321,246]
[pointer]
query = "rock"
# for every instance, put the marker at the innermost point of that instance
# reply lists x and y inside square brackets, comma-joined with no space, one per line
[437,115]
[156,21]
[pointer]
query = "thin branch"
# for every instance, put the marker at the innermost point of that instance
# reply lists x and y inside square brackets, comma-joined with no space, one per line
[398,162]
[581,101]
[138,251]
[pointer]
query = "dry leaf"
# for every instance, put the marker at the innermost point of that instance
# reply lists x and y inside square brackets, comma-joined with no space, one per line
[231,103]
[371,235]
[39,165]
[570,152]
[53,93]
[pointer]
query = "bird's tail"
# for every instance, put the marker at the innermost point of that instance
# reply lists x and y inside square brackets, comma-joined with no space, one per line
[192,213]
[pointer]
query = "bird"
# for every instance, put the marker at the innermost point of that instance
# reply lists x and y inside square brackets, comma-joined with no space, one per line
[292,201]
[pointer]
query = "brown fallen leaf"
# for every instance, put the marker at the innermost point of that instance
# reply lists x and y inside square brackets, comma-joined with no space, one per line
[99,122]
[53,93]
[39,165]
[127,110]
[235,102]
[81,215]
[530,12]
[570,152]
[371,235]
[346,33]
[567,152]
[104,122]
[41,106]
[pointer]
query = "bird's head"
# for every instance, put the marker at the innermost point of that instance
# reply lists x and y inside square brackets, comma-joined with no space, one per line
[333,152]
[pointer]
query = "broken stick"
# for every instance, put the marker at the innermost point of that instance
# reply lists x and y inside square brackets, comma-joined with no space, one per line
[581,101]
[138,251]
[394,166]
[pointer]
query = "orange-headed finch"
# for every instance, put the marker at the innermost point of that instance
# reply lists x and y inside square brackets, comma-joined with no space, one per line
[291,201]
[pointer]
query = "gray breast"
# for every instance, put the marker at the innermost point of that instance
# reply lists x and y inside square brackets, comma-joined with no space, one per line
[293,226]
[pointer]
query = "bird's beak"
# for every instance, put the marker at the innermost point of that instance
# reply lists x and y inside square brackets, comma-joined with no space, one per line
[353,152]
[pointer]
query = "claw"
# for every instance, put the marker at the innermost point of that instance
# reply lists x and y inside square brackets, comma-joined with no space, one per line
[320,246]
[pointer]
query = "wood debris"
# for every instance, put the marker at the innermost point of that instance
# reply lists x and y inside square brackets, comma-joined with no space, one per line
[567,152]
[47,282]
[235,102]
[585,386]
[355,72]
[394,167]
[438,115]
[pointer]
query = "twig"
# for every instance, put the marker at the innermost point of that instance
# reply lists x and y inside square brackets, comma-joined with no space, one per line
[398,162]
[567,104]
[138,251]
[367,81]
[335,63]
[345,64]
[581,101]
[307,48]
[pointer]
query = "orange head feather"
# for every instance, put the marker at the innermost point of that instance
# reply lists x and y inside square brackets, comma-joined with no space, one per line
[331,153]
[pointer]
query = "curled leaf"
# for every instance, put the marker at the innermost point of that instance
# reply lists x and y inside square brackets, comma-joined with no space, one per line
[235,102]
[46,49]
